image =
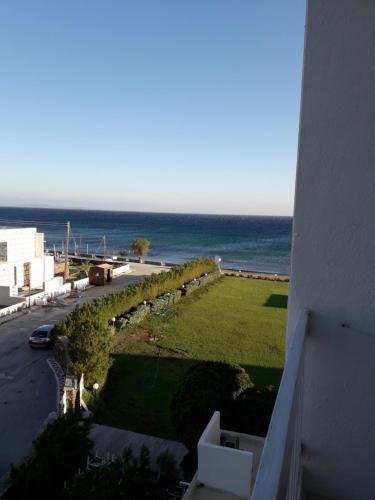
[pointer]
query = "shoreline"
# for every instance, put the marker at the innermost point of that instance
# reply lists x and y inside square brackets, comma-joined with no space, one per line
[256,275]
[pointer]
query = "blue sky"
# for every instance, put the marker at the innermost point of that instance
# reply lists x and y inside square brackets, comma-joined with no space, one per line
[157,105]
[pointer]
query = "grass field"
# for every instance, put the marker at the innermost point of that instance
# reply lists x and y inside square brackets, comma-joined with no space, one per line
[236,319]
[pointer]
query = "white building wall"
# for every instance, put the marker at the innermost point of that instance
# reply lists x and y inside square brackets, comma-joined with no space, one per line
[225,469]
[21,243]
[24,246]
[37,275]
[8,277]
[333,254]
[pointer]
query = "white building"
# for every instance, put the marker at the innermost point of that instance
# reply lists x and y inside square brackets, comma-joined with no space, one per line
[23,264]
[321,440]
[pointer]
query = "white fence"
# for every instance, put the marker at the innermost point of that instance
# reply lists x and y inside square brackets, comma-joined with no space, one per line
[121,270]
[60,290]
[280,470]
[81,284]
[5,311]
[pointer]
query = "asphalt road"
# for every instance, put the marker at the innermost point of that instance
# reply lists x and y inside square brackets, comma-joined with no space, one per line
[28,391]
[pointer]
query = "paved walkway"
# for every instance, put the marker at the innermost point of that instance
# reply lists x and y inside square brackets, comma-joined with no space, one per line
[110,440]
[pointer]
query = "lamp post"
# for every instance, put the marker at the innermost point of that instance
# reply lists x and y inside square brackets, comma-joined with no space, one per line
[95,388]
[217,261]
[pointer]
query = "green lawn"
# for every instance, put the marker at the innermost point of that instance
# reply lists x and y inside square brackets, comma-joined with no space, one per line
[235,319]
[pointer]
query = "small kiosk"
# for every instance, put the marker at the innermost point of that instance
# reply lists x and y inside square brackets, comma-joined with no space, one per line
[100,274]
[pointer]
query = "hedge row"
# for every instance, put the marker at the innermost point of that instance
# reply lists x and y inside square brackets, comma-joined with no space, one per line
[87,326]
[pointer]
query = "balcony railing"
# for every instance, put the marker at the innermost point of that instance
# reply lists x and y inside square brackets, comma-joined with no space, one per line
[280,471]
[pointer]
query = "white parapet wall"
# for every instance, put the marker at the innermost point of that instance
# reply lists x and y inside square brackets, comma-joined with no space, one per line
[5,311]
[12,303]
[121,270]
[223,468]
[81,284]
[55,291]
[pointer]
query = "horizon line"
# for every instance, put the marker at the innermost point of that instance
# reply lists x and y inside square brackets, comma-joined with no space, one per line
[142,211]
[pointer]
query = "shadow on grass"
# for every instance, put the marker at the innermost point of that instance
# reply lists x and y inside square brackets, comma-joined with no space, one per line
[277,300]
[139,390]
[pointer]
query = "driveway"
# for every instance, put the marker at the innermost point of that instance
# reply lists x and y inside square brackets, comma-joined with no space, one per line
[28,391]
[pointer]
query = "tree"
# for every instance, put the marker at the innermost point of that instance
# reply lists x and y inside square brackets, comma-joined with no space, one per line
[140,247]
[130,478]
[85,266]
[89,348]
[59,451]
[205,387]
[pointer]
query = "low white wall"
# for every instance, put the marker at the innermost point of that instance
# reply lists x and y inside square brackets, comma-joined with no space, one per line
[190,492]
[81,284]
[58,290]
[13,308]
[211,434]
[121,270]
[226,469]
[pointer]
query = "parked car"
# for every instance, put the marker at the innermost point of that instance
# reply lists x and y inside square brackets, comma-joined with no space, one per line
[42,336]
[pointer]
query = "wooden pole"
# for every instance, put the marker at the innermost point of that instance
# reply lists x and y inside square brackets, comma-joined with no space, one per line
[66,269]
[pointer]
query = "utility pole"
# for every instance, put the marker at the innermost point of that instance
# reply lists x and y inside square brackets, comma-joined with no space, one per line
[66,269]
[105,246]
[75,247]
[87,248]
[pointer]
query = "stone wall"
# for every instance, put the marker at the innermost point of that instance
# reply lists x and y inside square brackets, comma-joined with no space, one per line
[159,304]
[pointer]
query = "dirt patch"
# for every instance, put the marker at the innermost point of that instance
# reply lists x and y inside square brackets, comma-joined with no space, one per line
[130,334]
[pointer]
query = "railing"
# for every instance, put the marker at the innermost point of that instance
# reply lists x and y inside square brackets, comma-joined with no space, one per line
[280,471]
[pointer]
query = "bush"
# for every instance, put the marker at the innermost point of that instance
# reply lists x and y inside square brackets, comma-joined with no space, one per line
[130,478]
[87,326]
[59,451]
[206,387]
[252,411]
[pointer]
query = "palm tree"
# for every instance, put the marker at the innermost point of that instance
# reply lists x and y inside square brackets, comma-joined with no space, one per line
[85,266]
[140,247]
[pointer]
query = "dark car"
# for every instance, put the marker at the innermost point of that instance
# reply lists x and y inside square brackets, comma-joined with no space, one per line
[42,336]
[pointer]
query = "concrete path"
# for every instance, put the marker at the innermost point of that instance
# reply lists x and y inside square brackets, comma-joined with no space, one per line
[112,441]
[28,391]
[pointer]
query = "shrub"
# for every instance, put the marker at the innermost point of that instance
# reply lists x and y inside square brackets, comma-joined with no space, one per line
[59,451]
[206,387]
[252,411]
[130,478]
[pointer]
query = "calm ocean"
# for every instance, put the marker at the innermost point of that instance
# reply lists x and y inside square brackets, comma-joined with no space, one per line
[243,242]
